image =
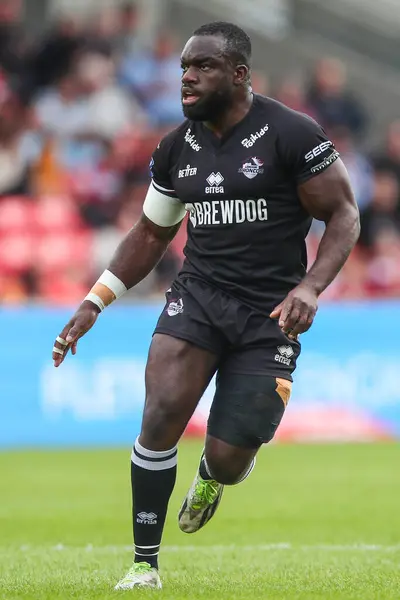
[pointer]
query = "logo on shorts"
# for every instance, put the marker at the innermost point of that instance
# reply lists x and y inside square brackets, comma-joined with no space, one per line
[285,355]
[175,307]
[252,167]
[145,518]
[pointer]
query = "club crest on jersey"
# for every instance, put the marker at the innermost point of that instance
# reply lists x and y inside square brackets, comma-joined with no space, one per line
[252,167]
[214,181]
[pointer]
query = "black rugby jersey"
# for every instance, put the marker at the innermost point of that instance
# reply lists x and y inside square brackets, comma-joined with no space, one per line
[246,226]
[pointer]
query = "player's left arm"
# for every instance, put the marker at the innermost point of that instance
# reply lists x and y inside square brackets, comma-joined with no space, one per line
[327,197]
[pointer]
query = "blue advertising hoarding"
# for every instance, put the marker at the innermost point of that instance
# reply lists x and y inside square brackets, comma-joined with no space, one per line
[346,384]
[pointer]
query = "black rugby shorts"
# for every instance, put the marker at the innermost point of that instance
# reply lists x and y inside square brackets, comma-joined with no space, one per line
[246,340]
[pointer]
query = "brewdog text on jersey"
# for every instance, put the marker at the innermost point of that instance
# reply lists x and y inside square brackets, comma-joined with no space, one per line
[227,212]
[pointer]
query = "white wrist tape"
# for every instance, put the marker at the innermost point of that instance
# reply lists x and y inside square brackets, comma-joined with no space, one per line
[96,300]
[106,289]
[113,283]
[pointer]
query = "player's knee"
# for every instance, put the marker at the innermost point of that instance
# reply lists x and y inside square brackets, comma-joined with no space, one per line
[227,465]
[160,417]
[224,473]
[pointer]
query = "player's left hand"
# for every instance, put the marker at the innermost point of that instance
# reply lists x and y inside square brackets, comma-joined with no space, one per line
[297,311]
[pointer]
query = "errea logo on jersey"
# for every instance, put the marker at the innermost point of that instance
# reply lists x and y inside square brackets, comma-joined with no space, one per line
[191,140]
[214,180]
[249,142]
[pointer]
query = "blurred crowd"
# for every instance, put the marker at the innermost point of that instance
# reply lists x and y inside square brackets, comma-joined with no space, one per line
[81,110]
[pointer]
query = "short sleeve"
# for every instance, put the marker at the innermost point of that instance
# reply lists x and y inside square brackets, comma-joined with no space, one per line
[160,168]
[304,147]
[161,205]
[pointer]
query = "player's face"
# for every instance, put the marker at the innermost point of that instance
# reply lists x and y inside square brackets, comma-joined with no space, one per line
[207,79]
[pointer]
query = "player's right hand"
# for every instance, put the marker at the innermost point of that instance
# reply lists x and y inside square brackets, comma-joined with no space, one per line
[83,320]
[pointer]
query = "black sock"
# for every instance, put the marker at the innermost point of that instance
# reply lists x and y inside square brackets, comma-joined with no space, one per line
[153,477]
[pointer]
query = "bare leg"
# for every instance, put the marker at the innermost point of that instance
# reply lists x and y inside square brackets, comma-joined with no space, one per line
[177,375]
[227,464]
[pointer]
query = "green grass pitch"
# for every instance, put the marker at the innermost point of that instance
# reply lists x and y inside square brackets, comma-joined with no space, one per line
[311,522]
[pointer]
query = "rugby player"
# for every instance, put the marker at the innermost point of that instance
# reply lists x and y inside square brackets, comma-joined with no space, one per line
[252,174]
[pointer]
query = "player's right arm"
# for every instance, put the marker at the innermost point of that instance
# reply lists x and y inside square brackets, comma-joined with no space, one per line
[135,257]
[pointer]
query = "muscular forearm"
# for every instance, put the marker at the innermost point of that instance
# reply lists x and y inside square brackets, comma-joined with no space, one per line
[341,234]
[140,251]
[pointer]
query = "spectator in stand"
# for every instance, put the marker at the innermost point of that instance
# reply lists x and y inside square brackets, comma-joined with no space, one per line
[84,112]
[17,151]
[292,93]
[13,44]
[332,102]
[117,26]
[383,210]
[383,270]
[154,77]
[358,166]
[54,54]
[388,159]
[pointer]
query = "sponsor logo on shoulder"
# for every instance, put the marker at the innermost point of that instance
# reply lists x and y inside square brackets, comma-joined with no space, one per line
[175,307]
[328,160]
[188,172]
[191,140]
[250,141]
[284,355]
[252,167]
[214,181]
[145,518]
[318,150]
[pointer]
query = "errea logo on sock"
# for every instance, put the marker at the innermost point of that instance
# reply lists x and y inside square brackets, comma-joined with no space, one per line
[144,518]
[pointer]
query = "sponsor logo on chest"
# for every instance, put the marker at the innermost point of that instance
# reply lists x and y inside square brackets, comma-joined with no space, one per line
[188,172]
[250,141]
[227,212]
[214,181]
[191,140]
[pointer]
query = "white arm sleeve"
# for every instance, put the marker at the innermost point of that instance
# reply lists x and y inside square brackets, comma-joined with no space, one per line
[162,210]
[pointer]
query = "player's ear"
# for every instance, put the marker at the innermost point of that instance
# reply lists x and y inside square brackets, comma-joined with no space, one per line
[241,75]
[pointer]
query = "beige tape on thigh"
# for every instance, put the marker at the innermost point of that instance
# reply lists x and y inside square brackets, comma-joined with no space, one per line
[284,389]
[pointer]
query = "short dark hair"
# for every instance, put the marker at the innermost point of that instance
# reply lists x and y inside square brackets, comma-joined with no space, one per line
[238,43]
